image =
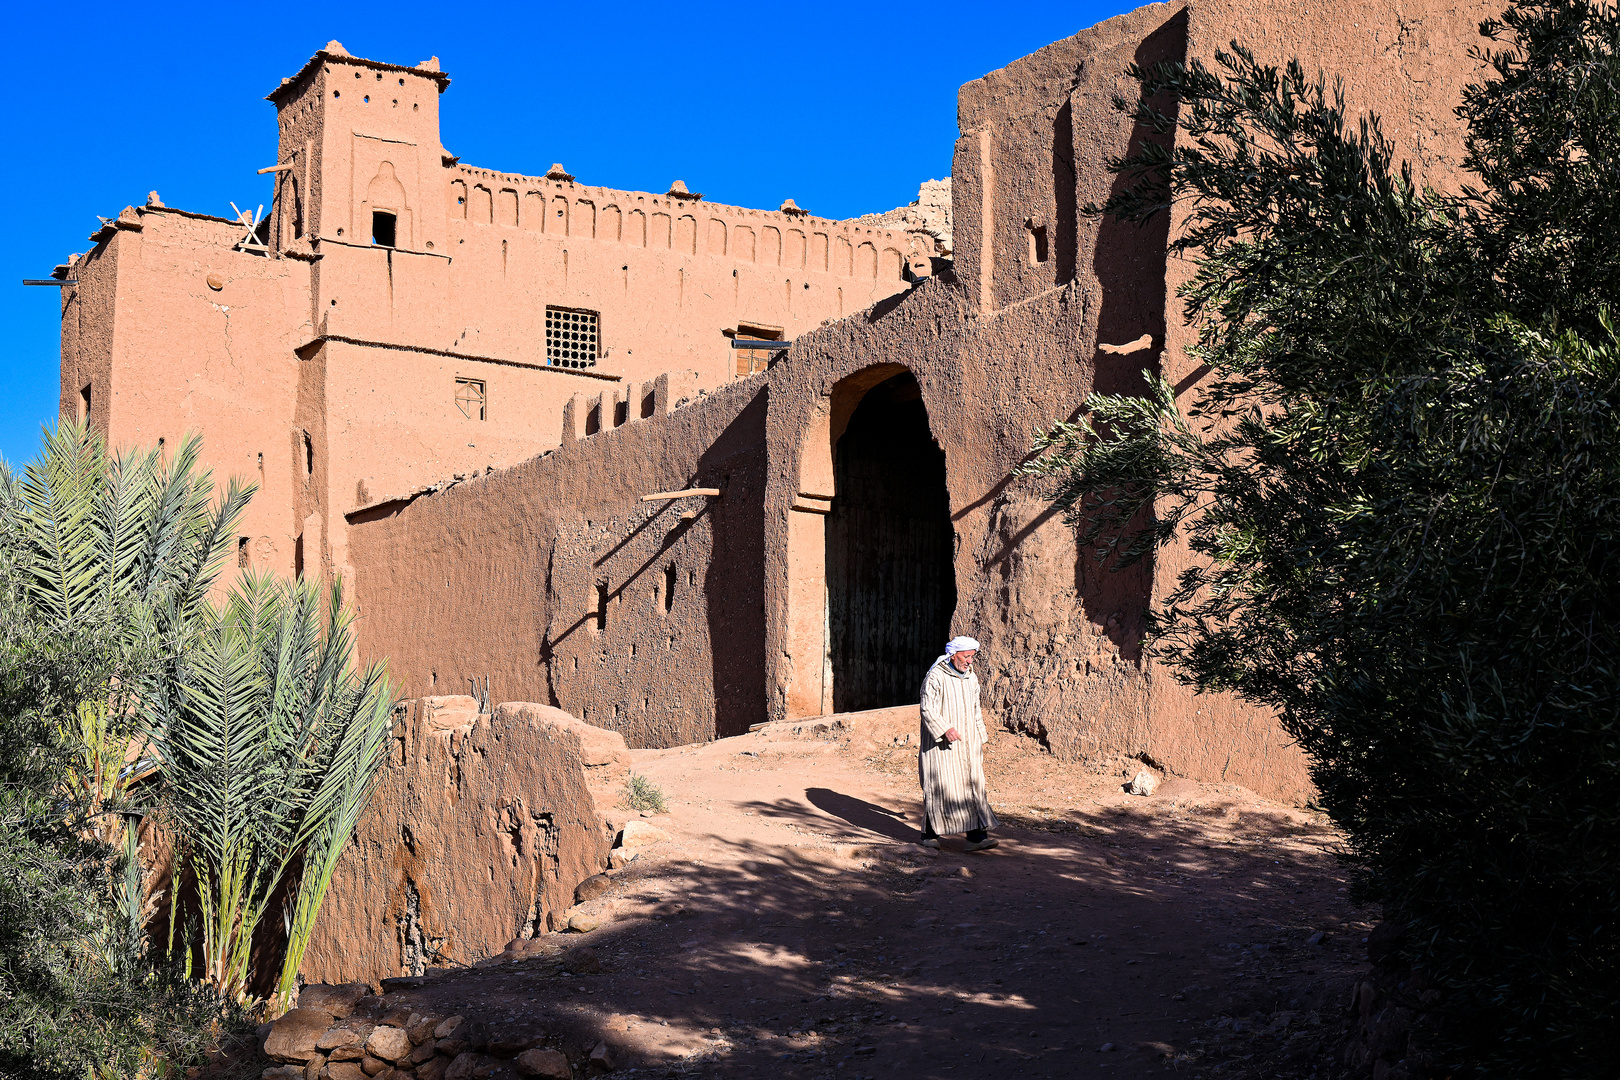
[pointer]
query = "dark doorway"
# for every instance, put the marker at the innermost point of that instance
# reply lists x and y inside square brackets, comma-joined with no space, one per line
[891,581]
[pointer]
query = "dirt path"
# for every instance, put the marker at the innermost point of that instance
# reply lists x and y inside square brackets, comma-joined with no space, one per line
[791,927]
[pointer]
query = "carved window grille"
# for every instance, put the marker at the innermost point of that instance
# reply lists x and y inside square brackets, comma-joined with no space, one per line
[571,337]
[470,398]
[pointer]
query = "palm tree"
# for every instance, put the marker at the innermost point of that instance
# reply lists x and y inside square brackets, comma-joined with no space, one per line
[270,744]
[114,556]
[264,739]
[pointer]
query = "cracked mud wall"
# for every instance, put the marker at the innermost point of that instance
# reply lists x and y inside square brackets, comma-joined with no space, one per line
[557,584]
[480,828]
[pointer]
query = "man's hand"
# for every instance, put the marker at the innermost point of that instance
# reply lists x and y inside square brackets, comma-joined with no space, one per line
[953,735]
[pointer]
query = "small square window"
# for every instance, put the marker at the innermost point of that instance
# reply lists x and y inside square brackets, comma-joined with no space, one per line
[470,398]
[571,338]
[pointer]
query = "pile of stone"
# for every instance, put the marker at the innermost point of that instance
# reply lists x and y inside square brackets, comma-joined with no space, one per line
[348,1033]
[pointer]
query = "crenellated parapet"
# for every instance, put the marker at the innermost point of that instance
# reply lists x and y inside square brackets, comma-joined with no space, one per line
[684,224]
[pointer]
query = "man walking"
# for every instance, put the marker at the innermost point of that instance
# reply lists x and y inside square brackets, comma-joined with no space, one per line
[951,762]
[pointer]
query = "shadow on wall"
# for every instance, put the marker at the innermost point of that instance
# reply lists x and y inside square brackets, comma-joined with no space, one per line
[1130,265]
[734,580]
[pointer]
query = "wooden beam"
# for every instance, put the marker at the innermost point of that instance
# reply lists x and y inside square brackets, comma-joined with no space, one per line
[665,496]
[278,168]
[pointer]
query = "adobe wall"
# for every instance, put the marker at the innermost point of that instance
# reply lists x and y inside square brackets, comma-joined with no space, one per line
[503,577]
[1047,305]
[472,558]
[480,828]
[156,278]
[479,253]
[1409,64]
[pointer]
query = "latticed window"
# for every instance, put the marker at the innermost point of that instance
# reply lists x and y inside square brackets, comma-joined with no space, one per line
[470,398]
[571,338]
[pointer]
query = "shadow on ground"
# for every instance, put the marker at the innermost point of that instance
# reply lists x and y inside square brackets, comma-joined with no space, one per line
[1109,942]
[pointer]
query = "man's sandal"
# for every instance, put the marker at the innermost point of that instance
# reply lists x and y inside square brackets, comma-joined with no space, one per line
[982,845]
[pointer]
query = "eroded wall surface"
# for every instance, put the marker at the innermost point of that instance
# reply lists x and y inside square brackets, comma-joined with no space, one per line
[554,582]
[481,826]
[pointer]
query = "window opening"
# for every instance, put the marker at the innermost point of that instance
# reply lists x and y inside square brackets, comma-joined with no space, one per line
[382,228]
[309,455]
[1037,242]
[241,552]
[571,337]
[84,402]
[751,361]
[601,605]
[669,587]
[470,398]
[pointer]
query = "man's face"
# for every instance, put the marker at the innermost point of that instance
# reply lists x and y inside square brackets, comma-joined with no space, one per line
[964,659]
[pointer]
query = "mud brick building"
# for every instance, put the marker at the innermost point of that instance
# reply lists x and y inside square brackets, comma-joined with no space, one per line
[456,387]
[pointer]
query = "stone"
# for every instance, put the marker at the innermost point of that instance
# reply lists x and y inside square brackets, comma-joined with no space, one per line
[348,1033]
[346,1070]
[582,923]
[619,858]
[283,1072]
[582,961]
[372,1066]
[458,879]
[338,1000]
[602,1058]
[452,1047]
[1143,783]
[1316,938]
[422,1030]
[447,1027]
[510,1042]
[293,1037]
[462,1067]
[369,1008]
[639,834]
[348,1053]
[421,1053]
[546,1064]
[591,888]
[433,1069]
[313,1067]
[390,1044]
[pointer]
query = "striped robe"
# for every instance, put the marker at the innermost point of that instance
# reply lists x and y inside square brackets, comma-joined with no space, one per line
[952,774]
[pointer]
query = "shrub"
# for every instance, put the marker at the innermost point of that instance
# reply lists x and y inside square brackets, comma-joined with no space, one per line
[642,794]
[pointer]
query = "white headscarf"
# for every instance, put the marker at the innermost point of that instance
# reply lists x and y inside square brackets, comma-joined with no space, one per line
[956,645]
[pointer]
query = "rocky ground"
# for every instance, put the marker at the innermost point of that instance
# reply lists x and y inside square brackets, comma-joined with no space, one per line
[791,927]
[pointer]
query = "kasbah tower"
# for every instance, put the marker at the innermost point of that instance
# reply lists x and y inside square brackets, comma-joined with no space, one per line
[456,386]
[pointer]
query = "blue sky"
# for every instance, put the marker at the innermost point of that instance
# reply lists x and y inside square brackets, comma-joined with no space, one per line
[844,108]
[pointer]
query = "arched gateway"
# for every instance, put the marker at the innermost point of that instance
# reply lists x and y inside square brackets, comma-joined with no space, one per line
[871,549]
